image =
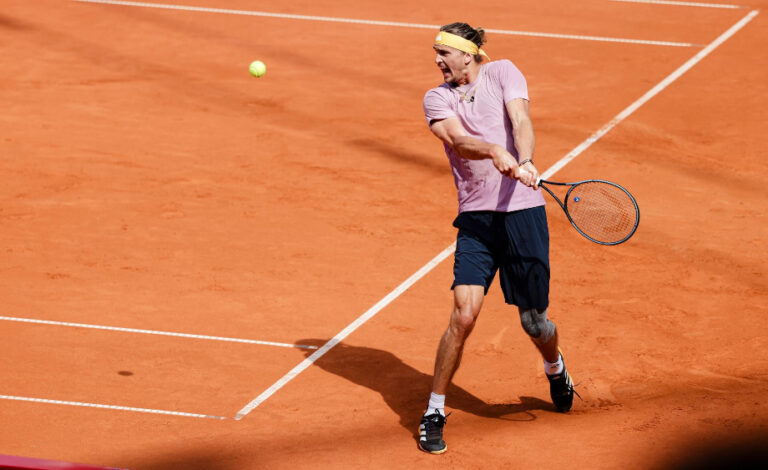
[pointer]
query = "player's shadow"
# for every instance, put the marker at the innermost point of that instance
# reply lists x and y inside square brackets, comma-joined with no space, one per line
[406,390]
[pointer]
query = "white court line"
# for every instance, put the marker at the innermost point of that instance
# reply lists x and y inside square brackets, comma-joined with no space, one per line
[448,251]
[378,23]
[346,331]
[590,38]
[153,332]
[650,94]
[684,4]
[109,407]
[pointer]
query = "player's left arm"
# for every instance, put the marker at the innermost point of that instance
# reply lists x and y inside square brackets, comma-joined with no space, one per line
[522,130]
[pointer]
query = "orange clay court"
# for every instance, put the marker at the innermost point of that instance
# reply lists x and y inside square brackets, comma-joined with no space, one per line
[180,239]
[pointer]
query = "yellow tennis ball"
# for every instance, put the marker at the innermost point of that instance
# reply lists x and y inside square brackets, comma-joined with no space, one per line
[257,68]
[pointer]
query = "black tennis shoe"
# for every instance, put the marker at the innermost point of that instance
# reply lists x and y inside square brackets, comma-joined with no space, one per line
[561,390]
[431,433]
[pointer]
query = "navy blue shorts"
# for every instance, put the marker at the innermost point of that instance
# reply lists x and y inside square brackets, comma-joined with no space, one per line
[514,243]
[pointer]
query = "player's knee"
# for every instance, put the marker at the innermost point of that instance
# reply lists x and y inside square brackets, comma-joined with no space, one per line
[463,320]
[537,325]
[462,326]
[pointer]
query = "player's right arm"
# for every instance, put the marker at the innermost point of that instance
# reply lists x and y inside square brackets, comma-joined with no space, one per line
[453,134]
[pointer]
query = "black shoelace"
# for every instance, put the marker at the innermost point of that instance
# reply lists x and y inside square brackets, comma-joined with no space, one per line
[434,425]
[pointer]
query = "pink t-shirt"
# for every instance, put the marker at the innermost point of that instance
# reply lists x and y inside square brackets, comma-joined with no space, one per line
[480,185]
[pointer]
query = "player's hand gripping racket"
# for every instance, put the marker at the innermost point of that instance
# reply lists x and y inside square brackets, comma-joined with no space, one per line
[602,211]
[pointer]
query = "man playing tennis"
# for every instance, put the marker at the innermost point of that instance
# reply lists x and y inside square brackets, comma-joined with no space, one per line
[481,115]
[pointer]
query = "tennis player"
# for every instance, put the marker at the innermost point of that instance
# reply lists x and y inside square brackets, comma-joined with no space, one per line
[480,113]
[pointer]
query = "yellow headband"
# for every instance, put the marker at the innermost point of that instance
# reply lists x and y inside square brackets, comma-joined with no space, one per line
[457,42]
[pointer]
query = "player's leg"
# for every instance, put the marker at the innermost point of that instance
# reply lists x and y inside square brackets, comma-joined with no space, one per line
[543,333]
[468,300]
[473,271]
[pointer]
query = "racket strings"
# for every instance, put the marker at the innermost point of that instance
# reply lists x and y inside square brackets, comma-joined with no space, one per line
[602,211]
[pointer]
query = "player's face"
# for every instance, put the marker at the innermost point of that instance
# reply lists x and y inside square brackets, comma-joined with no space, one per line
[451,62]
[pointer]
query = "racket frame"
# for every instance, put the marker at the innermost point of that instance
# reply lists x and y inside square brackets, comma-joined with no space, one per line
[542,184]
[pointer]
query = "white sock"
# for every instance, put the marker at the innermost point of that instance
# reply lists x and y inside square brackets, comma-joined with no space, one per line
[436,404]
[554,368]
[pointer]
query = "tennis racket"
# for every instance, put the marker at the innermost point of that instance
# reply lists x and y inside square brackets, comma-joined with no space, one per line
[601,211]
